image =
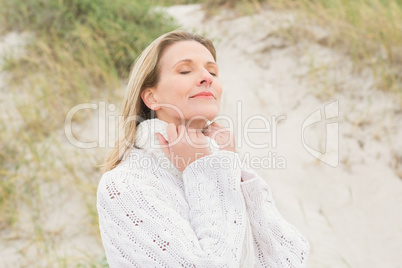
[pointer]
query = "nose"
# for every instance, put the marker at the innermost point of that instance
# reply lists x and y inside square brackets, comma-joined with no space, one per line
[206,79]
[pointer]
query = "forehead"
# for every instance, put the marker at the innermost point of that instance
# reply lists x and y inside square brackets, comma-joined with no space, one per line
[186,50]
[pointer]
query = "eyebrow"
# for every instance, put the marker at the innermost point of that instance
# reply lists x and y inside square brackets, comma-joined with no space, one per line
[190,61]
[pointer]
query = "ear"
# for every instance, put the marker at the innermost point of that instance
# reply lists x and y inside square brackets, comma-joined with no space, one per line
[148,98]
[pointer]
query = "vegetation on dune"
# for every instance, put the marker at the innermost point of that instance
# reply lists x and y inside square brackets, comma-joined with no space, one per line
[368,30]
[80,47]
[80,51]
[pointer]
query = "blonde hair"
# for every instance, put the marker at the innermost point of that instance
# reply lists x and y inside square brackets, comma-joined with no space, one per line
[145,74]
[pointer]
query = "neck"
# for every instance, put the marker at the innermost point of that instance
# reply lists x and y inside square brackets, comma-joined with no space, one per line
[146,139]
[194,123]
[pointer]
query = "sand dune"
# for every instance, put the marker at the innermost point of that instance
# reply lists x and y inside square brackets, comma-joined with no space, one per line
[349,211]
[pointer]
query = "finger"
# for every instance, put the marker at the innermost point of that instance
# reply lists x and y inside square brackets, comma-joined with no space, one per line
[192,136]
[164,144]
[179,134]
[201,139]
[214,128]
[207,132]
[200,135]
[216,125]
[190,133]
[207,129]
[216,131]
[221,129]
[181,130]
[171,132]
[191,130]
[161,139]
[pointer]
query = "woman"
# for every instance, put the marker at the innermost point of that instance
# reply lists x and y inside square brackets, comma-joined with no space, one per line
[173,194]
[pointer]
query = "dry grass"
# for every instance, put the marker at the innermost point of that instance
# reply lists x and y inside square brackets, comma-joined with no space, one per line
[81,52]
[370,31]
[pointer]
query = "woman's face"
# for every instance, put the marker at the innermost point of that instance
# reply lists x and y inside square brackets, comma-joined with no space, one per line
[189,86]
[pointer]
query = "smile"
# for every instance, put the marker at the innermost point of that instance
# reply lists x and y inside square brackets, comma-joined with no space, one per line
[204,95]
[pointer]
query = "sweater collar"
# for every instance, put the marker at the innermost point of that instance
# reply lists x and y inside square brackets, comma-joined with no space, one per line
[146,139]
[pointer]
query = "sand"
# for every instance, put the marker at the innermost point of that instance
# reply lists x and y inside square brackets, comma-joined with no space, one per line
[350,212]
[349,209]
[59,232]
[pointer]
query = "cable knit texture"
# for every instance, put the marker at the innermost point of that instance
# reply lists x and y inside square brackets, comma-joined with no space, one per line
[153,215]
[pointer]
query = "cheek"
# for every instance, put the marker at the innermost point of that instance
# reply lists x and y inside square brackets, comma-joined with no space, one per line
[170,90]
[180,90]
[218,90]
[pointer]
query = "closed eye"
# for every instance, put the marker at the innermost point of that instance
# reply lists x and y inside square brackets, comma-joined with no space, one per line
[185,72]
[213,74]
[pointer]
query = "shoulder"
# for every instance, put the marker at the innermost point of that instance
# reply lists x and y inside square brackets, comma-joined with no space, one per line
[137,161]
[139,170]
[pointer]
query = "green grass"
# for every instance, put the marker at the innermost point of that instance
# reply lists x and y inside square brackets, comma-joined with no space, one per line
[81,51]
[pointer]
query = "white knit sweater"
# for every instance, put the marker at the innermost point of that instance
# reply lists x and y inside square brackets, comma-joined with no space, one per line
[152,215]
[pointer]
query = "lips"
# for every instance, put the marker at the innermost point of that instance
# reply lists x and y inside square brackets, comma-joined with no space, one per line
[205,94]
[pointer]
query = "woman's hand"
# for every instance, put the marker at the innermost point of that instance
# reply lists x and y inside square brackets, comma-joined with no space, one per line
[223,136]
[183,146]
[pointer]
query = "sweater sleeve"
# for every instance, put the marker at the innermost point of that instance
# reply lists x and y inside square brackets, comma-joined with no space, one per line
[140,229]
[277,243]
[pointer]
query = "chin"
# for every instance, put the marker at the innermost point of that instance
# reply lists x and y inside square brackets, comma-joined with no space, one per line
[210,114]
